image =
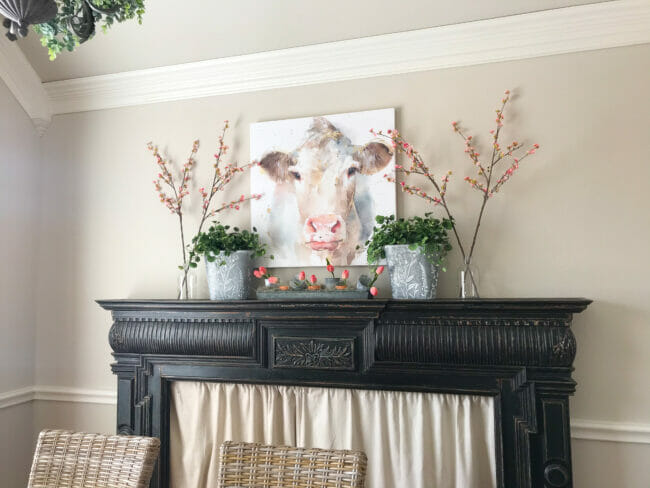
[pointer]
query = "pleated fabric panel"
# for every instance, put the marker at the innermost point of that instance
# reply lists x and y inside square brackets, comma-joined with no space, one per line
[419,440]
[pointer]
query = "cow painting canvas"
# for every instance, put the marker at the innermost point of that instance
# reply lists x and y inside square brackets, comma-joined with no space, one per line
[322,181]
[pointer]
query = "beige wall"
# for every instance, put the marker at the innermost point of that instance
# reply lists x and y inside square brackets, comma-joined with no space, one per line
[19,207]
[610,464]
[574,221]
[16,444]
[80,417]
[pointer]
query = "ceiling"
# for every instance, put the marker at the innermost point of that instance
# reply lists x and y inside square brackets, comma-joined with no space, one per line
[176,32]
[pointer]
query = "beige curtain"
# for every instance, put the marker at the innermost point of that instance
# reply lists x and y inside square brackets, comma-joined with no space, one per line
[414,440]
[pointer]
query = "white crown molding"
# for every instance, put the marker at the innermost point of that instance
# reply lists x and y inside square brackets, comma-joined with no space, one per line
[596,430]
[566,30]
[25,84]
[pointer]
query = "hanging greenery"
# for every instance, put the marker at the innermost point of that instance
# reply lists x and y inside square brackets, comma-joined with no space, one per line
[76,20]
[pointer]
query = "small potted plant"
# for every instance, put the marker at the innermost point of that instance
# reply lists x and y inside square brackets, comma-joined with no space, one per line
[263,274]
[299,282]
[313,286]
[333,282]
[228,254]
[343,282]
[366,283]
[414,250]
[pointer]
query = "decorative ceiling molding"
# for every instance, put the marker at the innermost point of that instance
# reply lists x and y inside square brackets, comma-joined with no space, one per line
[566,30]
[25,84]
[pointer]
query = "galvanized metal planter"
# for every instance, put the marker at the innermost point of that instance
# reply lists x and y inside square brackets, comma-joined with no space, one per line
[412,274]
[229,277]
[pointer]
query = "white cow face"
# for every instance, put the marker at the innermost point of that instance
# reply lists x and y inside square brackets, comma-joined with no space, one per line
[323,172]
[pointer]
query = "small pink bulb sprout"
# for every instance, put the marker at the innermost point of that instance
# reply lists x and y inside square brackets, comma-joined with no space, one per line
[273,280]
[313,279]
[261,273]
[374,291]
[345,275]
[302,276]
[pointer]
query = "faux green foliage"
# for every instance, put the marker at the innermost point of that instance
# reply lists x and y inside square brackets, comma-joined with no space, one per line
[57,34]
[220,238]
[427,233]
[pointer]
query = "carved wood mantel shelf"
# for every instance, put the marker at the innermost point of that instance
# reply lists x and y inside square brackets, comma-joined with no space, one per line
[519,351]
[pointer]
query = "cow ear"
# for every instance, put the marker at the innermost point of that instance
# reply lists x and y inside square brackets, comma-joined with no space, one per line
[373,157]
[321,124]
[277,164]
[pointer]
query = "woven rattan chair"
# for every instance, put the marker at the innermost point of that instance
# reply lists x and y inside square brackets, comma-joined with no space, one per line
[78,460]
[245,465]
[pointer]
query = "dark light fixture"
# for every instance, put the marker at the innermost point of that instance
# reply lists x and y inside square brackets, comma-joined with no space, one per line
[20,14]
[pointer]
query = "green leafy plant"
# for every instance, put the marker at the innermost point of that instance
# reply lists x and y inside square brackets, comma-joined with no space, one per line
[76,19]
[427,233]
[220,238]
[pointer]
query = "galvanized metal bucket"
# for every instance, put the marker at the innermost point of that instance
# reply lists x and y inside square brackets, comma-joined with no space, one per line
[412,274]
[229,277]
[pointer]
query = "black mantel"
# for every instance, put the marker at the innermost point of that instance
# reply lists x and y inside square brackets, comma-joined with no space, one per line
[520,351]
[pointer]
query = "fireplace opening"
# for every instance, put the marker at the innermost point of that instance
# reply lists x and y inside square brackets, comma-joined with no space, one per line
[412,439]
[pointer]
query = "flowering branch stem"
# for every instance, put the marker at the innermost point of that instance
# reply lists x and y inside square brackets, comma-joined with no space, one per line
[175,202]
[488,177]
[215,176]
[486,186]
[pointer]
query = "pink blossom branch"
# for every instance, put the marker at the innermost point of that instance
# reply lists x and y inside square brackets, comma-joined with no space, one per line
[419,167]
[180,190]
[488,190]
[220,179]
[235,204]
[485,186]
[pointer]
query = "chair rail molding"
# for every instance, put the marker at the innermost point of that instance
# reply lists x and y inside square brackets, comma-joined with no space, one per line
[57,394]
[24,83]
[559,31]
[596,430]
[16,397]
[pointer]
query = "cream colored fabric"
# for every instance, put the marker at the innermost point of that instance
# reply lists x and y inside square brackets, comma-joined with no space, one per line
[414,440]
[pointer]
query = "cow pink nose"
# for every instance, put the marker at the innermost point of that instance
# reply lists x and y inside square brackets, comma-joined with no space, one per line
[327,223]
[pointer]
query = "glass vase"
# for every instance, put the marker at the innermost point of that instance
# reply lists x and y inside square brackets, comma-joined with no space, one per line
[468,275]
[186,285]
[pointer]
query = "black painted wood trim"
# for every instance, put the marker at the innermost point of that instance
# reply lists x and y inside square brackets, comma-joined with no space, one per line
[519,351]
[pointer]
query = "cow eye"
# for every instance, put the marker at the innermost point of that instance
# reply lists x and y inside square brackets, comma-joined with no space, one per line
[352,171]
[295,174]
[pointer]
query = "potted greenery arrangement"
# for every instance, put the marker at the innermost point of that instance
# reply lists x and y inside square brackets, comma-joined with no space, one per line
[414,250]
[228,256]
[75,21]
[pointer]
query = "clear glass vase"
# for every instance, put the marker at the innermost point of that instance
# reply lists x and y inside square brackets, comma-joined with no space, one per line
[186,285]
[468,276]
